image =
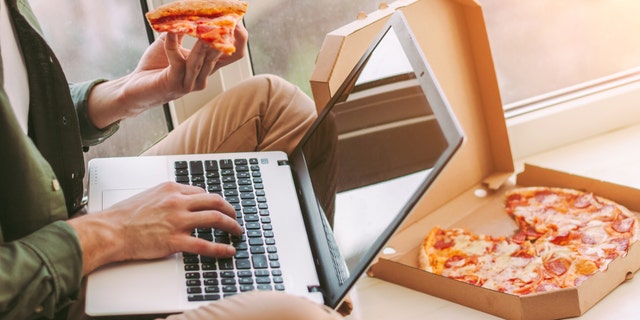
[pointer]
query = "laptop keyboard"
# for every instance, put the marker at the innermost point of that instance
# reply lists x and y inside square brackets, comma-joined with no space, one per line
[255,265]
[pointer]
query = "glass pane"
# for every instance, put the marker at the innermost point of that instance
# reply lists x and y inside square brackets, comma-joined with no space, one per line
[285,36]
[102,39]
[545,45]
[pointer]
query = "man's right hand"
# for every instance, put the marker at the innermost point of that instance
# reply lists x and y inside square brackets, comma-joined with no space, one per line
[153,224]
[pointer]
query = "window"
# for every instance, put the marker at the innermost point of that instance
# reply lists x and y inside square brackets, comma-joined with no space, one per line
[286,36]
[567,70]
[102,39]
[548,46]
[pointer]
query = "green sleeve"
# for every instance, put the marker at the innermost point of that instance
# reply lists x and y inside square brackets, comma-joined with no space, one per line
[40,273]
[91,135]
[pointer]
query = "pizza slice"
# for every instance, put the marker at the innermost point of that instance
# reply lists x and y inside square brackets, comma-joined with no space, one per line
[213,21]
[496,263]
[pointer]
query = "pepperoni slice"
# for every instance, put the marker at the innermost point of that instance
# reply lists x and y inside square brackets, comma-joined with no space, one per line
[443,244]
[562,239]
[622,244]
[623,225]
[540,196]
[455,261]
[583,201]
[557,267]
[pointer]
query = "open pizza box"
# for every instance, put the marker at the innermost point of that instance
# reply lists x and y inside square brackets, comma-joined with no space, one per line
[453,37]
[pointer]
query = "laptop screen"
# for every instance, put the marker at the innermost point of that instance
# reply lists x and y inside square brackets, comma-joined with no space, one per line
[383,138]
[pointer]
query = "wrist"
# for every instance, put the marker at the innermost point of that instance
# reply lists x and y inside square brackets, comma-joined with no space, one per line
[98,240]
[106,103]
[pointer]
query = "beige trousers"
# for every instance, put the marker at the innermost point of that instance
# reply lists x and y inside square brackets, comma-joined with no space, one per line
[261,113]
[264,305]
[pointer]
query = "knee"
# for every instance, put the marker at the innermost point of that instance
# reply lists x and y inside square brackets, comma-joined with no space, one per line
[284,92]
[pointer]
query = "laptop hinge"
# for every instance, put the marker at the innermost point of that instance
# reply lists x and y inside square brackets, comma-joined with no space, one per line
[315,288]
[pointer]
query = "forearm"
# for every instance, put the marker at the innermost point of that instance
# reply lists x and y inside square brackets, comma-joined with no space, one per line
[127,97]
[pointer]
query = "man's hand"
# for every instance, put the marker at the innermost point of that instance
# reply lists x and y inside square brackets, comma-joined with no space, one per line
[165,72]
[154,224]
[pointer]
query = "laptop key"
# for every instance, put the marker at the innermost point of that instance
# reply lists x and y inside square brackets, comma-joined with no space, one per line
[211,289]
[259,261]
[226,164]
[193,283]
[196,167]
[210,284]
[225,264]
[243,264]
[245,273]
[229,289]
[247,287]
[263,280]
[195,297]
[194,290]
[211,297]
[211,165]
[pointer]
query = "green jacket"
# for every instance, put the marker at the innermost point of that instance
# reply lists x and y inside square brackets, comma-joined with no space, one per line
[41,183]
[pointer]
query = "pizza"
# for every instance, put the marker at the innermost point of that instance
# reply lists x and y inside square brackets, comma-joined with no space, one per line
[213,21]
[564,237]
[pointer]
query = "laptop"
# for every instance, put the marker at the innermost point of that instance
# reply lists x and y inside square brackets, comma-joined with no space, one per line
[374,150]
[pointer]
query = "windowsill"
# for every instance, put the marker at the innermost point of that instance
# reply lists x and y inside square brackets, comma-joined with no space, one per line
[612,156]
[568,120]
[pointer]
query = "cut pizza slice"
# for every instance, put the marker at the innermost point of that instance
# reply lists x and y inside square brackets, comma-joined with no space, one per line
[454,253]
[496,263]
[213,21]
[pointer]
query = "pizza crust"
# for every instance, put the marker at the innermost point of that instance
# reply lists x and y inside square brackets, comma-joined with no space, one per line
[200,8]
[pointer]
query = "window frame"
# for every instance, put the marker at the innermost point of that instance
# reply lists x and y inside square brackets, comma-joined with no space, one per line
[574,114]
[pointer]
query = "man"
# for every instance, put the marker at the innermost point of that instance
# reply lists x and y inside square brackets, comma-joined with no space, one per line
[44,125]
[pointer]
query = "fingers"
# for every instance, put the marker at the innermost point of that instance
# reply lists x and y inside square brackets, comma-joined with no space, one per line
[200,62]
[209,210]
[206,248]
[213,219]
[173,48]
[209,66]
[206,201]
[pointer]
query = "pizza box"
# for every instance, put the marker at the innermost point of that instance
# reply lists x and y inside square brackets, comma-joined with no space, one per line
[469,191]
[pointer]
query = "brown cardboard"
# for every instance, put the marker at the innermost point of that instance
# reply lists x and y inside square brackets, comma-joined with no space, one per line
[486,215]
[453,37]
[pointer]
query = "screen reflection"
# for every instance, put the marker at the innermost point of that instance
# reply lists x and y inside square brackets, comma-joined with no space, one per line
[373,150]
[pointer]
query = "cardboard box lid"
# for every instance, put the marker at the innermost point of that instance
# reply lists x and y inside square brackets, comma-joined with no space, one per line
[453,37]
